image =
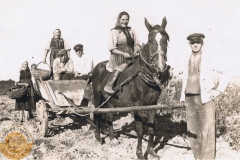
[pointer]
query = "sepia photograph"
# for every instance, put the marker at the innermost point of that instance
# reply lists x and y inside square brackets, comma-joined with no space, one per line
[120,79]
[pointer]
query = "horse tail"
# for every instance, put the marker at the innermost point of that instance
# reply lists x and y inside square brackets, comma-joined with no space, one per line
[98,75]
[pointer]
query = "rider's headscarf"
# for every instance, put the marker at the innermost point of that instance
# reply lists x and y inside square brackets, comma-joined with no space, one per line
[125,30]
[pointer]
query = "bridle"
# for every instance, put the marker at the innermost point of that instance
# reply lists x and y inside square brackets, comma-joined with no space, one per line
[152,65]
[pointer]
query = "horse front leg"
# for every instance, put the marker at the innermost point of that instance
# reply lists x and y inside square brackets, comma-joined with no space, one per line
[151,132]
[139,130]
[110,123]
[97,119]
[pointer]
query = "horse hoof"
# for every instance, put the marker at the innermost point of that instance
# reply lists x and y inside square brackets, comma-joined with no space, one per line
[112,136]
[98,138]
[153,155]
[140,155]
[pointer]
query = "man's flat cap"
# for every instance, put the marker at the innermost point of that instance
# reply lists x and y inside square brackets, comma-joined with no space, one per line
[61,52]
[195,35]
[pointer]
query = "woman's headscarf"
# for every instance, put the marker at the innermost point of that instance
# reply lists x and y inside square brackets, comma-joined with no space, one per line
[119,17]
[59,31]
[23,68]
[125,30]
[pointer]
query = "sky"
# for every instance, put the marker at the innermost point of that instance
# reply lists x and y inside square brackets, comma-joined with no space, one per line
[26,26]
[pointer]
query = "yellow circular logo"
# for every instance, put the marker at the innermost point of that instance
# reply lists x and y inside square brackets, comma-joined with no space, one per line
[15,142]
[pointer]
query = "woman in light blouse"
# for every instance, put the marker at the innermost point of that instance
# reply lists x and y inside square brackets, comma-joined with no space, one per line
[123,45]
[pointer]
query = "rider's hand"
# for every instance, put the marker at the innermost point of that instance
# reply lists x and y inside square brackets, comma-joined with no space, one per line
[136,53]
[137,50]
[44,61]
[126,55]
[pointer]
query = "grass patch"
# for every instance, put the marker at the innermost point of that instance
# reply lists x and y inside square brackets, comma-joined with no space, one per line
[228,116]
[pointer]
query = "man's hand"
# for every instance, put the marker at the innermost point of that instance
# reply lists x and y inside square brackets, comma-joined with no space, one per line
[63,70]
[44,62]
[76,74]
[214,93]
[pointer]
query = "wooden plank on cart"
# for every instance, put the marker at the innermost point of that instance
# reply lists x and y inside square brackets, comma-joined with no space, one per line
[50,91]
[73,89]
[43,90]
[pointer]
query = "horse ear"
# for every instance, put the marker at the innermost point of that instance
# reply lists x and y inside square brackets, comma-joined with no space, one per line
[149,27]
[164,23]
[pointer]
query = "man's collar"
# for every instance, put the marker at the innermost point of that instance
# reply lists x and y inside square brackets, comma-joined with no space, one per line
[198,53]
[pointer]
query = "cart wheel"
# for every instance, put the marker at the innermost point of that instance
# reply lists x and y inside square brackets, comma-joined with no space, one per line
[42,117]
[90,105]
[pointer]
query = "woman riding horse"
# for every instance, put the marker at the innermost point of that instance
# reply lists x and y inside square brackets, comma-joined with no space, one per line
[140,85]
[123,41]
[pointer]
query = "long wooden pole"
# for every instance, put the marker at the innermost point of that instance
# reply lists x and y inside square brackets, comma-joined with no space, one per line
[125,109]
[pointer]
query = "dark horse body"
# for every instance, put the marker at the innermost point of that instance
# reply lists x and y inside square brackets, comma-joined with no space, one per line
[141,90]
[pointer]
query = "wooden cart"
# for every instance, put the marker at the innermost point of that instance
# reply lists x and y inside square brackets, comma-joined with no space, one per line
[53,99]
[66,95]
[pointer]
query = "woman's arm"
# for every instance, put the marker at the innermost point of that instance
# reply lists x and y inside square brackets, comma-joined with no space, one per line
[137,46]
[45,56]
[47,49]
[112,44]
[67,47]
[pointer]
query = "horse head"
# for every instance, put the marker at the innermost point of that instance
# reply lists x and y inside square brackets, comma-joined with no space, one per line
[155,51]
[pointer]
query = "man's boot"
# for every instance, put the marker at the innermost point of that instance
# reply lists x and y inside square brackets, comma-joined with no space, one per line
[109,86]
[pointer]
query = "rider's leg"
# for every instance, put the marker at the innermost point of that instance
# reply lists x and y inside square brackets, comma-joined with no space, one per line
[114,75]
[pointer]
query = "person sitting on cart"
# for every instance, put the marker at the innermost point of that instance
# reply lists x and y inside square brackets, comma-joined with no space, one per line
[54,45]
[63,68]
[83,63]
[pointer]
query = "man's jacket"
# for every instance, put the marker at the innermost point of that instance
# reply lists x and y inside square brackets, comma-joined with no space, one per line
[206,77]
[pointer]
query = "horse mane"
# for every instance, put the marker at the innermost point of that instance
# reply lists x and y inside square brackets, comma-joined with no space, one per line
[164,43]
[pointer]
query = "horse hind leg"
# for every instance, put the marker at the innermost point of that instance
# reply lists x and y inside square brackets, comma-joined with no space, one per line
[151,128]
[139,130]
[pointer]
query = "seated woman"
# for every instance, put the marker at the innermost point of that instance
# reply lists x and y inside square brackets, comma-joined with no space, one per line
[123,46]
[25,104]
[63,66]
[83,63]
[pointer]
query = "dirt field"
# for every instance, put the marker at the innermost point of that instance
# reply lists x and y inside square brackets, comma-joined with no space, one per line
[70,137]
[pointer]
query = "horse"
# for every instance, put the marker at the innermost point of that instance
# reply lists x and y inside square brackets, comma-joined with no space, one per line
[140,85]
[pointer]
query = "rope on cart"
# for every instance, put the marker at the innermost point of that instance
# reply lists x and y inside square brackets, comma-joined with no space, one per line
[69,101]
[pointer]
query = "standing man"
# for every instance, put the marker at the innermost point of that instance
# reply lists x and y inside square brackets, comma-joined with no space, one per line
[199,92]
[83,63]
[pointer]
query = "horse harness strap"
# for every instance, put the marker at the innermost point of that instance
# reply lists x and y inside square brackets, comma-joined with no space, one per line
[148,77]
[119,87]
